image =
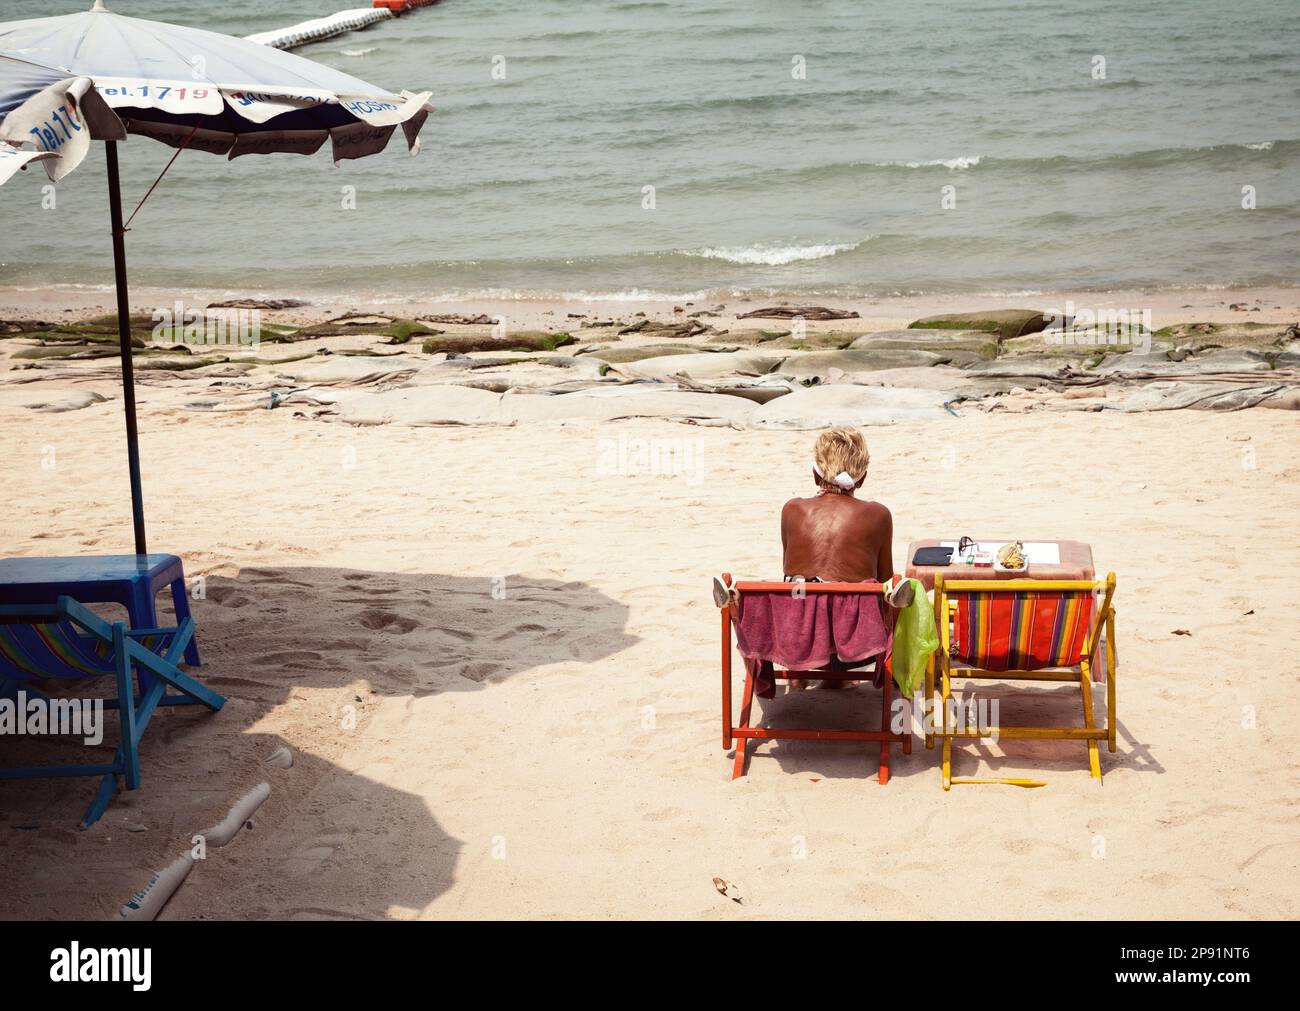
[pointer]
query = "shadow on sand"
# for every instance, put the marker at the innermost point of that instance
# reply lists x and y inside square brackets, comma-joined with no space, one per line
[853,707]
[1043,705]
[305,657]
[858,708]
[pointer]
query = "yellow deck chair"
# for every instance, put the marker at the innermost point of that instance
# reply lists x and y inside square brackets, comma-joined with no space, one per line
[1022,630]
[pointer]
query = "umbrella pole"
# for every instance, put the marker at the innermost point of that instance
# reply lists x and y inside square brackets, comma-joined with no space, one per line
[124,342]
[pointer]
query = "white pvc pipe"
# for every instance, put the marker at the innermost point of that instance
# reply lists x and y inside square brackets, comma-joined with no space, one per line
[147,903]
[226,830]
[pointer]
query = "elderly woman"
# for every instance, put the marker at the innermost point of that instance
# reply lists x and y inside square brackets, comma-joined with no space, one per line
[833,536]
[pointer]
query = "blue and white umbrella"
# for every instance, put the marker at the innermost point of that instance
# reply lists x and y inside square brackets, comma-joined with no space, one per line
[190,89]
[49,116]
[211,92]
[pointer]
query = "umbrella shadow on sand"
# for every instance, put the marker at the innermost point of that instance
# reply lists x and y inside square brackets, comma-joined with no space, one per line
[305,657]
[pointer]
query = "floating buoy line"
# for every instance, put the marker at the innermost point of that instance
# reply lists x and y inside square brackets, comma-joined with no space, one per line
[352,20]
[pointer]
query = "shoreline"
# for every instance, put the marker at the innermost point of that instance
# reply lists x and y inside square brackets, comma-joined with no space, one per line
[1264,304]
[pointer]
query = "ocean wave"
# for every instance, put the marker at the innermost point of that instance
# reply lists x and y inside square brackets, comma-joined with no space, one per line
[1210,154]
[527,294]
[357,52]
[1214,154]
[772,256]
[956,164]
[1147,157]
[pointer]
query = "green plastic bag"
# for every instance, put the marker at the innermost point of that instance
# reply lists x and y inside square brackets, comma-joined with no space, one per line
[915,640]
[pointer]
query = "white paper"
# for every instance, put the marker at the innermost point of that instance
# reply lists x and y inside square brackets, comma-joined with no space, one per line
[1043,552]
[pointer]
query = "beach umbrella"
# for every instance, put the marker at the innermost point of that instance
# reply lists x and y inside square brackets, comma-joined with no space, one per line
[50,117]
[189,89]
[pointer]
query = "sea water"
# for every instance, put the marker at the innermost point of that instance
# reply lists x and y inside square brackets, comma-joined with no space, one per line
[671,147]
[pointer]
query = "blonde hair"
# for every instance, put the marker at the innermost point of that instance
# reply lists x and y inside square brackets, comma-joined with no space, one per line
[840,451]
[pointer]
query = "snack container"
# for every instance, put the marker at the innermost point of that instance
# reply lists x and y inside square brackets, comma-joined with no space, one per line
[1011,549]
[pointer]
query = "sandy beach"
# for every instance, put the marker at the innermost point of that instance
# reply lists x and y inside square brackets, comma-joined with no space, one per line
[495,662]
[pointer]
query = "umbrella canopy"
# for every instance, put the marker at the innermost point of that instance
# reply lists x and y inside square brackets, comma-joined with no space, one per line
[12,159]
[217,93]
[189,89]
[56,113]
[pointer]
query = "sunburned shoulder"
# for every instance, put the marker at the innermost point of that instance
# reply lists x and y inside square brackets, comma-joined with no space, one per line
[796,505]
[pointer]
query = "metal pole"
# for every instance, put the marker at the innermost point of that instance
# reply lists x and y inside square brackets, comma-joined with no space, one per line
[124,342]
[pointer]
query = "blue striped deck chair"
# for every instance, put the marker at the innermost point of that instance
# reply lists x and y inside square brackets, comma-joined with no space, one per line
[65,640]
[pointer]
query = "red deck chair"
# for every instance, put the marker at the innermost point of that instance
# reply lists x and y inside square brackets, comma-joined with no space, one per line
[1025,630]
[743,732]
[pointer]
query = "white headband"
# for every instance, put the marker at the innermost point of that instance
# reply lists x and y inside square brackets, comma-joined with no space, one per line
[844,479]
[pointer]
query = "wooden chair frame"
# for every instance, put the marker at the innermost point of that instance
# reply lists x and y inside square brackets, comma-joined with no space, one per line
[1081,673]
[743,733]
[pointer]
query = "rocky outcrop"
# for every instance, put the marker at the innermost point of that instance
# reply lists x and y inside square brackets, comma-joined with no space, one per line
[1204,336]
[785,340]
[1196,396]
[259,303]
[976,342]
[798,311]
[820,363]
[637,353]
[862,406]
[458,319]
[523,340]
[1006,323]
[655,328]
[708,366]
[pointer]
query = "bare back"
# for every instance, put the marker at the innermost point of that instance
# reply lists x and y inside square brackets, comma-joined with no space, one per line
[837,538]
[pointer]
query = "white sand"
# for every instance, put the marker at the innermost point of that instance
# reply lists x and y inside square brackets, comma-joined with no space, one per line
[557,753]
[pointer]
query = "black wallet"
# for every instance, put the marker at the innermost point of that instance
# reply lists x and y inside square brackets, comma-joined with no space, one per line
[932,556]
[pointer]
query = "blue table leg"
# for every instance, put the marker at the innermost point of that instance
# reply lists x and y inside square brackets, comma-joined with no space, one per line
[181,603]
[140,609]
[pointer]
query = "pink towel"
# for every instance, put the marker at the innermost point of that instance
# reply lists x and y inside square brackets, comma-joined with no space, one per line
[808,632]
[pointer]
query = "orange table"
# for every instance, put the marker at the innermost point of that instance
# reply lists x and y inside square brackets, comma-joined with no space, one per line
[1075,563]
